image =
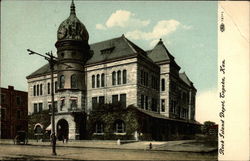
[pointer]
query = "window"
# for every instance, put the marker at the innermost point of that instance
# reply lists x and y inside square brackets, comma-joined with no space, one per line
[2,99]
[3,113]
[18,114]
[48,85]
[124,76]
[142,101]
[73,104]
[99,127]
[119,126]
[119,77]
[34,90]
[73,81]
[56,87]
[50,107]
[123,100]
[98,81]
[162,84]
[93,81]
[163,105]
[35,108]
[102,80]
[142,77]
[114,78]
[37,90]
[146,102]
[62,81]
[114,99]
[40,107]
[94,102]
[146,79]
[154,105]
[101,100]
[55,104]
[18,100]
[41,89]
[62,103]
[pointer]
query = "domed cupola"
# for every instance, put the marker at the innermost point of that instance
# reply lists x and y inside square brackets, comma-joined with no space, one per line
[72,28]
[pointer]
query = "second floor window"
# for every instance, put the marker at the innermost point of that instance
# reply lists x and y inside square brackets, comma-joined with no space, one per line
[93,81]
[162,84]
[98,81]
[119,77]
[34,90]
[48,88]
[41,89]
[114,78]
[124,76]
[73,81]
[62,81]
[102,80]
[37,90]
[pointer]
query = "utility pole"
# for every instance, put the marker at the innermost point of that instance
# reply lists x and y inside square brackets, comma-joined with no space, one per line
[52,61]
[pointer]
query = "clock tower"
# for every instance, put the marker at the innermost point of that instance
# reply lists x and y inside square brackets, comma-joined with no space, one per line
[73,51]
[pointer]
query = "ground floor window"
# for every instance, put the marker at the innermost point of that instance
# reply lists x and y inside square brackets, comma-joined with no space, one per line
[119,126]
[99,127]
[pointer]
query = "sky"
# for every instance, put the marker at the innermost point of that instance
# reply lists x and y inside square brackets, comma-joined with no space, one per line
[188,30]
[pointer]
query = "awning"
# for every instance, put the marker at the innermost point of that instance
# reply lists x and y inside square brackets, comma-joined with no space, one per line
[48,128]
[38,124]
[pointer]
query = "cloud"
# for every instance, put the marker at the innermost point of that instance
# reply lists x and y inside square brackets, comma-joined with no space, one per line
[100,27]
[162,28]
[122,18]
[207,106]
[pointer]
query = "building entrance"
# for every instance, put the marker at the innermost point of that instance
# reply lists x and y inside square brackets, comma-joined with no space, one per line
[62,129]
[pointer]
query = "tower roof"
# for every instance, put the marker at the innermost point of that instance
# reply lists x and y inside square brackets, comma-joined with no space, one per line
[72,28]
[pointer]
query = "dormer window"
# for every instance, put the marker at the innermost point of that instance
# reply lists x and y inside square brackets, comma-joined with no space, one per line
[107,50]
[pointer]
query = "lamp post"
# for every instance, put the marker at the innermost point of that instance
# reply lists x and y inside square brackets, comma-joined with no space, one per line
[52,61]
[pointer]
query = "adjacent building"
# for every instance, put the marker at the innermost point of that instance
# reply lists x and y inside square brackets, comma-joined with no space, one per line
[114,71]
[14,112]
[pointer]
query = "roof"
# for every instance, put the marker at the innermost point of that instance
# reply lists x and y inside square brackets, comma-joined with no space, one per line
[160,53]
[114,48]
[185,79]
[160,116]
[119,47]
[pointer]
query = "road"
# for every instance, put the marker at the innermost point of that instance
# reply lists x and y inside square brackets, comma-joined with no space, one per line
[29,152]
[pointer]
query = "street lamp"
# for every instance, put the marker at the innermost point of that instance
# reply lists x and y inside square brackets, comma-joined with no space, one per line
[52,61]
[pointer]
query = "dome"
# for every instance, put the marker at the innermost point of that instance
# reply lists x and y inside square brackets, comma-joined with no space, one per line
[72,28]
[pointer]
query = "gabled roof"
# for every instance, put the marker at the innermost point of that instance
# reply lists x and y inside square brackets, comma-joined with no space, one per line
[105,50]
[45,69]
[160,53]
[185,79]
[116,48]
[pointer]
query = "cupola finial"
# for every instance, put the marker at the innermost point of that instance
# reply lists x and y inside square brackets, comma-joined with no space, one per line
[72,8]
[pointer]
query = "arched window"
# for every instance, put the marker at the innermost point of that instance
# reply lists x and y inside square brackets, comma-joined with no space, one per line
[98,81]
[41,89]
[48,88]
[73,81]
[119,126]
[93,81]
[162,84]
[38,129]
[113,78]
[37,90]
[102,80]
[34,90]
[124,76]
[119,77]
[62,81]
[99,127]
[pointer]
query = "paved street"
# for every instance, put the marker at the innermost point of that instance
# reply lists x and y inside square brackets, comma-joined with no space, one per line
[107,150]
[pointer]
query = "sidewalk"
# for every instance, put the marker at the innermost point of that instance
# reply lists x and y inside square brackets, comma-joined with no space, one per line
[183,145]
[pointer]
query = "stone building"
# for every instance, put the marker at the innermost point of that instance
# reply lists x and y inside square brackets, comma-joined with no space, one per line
[14,112]
[109,72]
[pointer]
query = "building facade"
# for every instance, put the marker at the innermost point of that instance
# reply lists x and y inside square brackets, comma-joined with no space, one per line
[114,71]
[14,112]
